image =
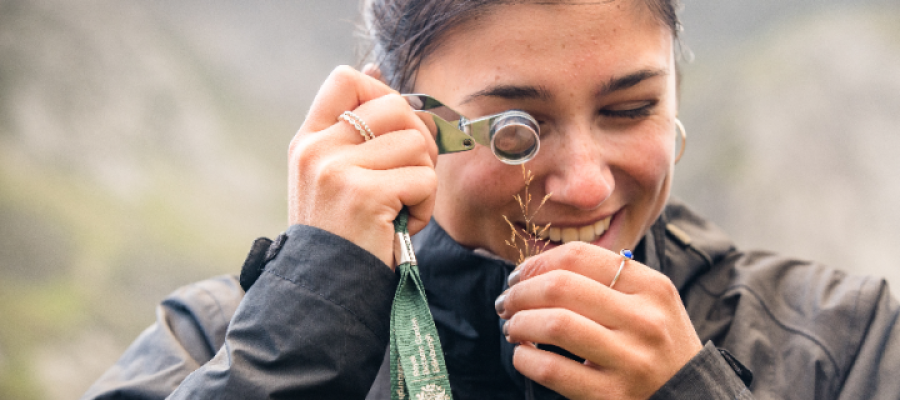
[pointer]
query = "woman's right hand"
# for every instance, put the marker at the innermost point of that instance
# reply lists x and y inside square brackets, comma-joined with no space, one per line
[355,188]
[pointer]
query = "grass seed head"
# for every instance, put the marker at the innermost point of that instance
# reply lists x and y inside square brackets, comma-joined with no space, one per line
[532,232]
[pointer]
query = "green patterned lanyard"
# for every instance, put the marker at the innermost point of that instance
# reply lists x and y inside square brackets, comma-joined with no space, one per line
[418,370]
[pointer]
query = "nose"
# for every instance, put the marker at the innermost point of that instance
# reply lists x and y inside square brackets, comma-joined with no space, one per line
[580,175]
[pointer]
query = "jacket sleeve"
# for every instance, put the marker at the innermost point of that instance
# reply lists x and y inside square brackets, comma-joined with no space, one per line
[313,326]
[189,323]
[706,376]
[873,373]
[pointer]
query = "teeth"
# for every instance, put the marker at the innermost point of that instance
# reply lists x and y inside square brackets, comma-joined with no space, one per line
[555,234]
[587,233]
[569,235]
[600,227]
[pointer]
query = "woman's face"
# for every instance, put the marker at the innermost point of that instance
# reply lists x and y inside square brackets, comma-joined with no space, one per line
[601,81]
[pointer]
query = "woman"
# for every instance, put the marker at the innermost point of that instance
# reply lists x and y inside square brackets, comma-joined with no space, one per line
[601,80]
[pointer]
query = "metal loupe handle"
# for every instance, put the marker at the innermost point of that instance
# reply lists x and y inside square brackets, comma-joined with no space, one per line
[513,136]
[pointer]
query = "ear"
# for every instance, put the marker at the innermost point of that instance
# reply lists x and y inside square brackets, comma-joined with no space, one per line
[372,70]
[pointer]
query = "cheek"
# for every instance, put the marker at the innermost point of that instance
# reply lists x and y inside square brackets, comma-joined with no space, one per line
[474,191]
[650,165]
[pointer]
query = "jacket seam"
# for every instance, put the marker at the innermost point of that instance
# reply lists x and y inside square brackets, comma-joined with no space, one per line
[215,300]
[863,333]
[349,311]
[221,314]
[771,315]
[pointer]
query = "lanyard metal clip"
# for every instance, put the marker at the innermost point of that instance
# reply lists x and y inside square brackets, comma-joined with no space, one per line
[403,249]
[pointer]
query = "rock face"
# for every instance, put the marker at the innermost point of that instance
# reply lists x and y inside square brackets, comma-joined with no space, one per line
[142,148]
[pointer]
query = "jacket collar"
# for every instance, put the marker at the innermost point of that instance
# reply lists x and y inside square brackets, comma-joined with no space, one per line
[461,285]
[680,244]
[686,244]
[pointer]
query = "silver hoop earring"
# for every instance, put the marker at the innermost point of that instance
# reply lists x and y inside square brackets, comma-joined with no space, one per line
[680,128]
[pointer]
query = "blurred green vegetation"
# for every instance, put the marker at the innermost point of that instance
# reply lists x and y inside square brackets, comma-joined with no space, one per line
[127,169]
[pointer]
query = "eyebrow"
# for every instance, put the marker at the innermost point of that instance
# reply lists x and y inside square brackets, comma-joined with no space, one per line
[628,81]
[528,92]
[511,92]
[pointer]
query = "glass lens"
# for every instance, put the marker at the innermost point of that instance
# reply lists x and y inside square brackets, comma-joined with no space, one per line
[514,138]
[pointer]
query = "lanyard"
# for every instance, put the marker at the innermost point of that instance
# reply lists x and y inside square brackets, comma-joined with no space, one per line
[418,370]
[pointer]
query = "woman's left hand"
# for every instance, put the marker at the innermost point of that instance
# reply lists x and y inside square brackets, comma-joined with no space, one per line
[634,337]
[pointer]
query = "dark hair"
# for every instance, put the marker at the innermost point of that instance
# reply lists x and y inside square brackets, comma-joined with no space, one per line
[401,33]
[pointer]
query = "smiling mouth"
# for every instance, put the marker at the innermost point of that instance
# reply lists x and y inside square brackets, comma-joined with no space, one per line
[586,233]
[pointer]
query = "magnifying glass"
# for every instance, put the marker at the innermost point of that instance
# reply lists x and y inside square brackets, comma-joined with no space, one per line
[513,136]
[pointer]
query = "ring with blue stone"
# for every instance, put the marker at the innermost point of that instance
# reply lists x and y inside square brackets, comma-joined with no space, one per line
[626,255]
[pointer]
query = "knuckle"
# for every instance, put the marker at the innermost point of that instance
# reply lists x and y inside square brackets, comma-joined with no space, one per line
[430,180]
[654,325]
[416,141]
[535,266]
[643,318]
[302,154]
[556,326]
[342,73]
[298,142]
[397,100]
[328,173]
[663,288]
[574,252]
[668,288]
[642,363]
[555,285]
[295,148]
[546,373]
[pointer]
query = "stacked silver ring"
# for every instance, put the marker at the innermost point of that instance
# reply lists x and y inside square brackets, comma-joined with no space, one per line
[359,124]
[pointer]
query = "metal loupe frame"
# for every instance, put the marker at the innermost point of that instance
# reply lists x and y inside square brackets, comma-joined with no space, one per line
[456,133]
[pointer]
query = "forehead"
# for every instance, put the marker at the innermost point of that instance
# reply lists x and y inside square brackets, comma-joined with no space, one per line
[543,40]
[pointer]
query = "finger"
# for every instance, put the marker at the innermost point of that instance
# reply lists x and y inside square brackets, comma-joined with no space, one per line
[344,89]
[412,186]
[420,215]
[390,190]
[398,149]
[594,262]
[374,71]
[415,188]
[571,291]
[392,113]
[571,379]
[360,204]
[568,330]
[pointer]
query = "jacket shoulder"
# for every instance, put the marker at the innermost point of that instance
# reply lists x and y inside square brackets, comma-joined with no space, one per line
[782,315]
[190,328]
[802,327]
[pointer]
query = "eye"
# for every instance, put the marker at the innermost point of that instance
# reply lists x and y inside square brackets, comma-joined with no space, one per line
[630,109]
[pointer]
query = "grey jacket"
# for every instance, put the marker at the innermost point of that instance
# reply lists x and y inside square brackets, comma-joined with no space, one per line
[314,325]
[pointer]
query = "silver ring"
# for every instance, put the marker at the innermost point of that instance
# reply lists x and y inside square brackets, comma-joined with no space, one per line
[359,124]
[626,255]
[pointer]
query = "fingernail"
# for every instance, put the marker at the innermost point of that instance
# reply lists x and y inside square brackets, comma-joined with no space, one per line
[514,277]
[499,304]
[506,329]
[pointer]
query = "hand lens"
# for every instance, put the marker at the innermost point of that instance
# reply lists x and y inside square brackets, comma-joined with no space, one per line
[513,136]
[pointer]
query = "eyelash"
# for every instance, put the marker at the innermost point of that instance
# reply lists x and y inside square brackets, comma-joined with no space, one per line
[633,113]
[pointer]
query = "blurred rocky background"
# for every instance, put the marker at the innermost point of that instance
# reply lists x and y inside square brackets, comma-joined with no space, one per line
[142,147]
